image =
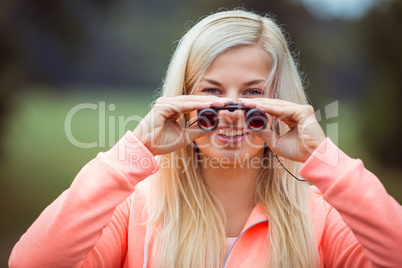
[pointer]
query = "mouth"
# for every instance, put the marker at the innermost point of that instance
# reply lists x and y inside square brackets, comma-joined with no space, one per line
[231,135]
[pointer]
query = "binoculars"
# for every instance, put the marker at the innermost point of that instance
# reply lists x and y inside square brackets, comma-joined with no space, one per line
[208,119]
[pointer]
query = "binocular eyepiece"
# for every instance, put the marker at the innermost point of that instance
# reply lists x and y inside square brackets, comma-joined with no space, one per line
[208,119]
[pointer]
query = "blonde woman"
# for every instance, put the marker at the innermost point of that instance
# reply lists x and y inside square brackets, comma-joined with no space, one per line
[219,197]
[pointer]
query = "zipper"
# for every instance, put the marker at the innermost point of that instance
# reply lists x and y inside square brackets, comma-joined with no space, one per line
[230,251]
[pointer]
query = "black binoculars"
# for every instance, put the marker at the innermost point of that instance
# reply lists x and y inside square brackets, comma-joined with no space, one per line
[208,119]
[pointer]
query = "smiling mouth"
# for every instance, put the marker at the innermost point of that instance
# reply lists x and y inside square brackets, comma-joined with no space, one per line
[232,133]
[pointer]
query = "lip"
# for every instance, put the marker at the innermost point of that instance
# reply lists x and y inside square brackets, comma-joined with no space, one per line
[229,127]
[245,130]
[226,140]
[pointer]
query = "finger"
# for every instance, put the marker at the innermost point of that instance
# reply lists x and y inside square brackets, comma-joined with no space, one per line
[178,106]
[195,98]
[178,109]
[269,136]
[285,111]
[276,102]
[199,97]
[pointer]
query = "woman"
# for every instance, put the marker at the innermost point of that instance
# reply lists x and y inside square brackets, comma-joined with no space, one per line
[210,199]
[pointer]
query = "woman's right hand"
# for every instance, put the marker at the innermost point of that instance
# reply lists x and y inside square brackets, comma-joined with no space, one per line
[160,132]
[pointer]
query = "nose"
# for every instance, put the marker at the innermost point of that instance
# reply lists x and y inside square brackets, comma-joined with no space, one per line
[233,95]
[235,118]
[231,119]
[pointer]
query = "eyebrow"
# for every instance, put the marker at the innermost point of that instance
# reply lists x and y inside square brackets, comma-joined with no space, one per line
[249,83]
[255,82]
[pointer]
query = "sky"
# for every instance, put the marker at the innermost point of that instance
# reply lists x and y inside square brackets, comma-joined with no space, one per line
[347,9]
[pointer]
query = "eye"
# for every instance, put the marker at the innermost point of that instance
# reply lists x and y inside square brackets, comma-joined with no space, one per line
[253,91]
[211,91]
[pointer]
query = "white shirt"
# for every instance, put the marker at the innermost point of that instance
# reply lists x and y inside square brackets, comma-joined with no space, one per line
[229,243]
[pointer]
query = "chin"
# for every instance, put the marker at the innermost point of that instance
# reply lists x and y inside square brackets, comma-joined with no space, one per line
[229,156]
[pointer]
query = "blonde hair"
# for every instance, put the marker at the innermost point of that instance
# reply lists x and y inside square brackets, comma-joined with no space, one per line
[188,222]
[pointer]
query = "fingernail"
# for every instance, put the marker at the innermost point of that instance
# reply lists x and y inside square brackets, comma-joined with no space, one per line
[226,99]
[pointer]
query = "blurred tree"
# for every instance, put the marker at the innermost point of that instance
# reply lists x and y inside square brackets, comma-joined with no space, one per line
[10,66]
[382,43]
[16,21]
[128,43]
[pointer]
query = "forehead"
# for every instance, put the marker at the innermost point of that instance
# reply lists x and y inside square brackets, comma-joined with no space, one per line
[240,62]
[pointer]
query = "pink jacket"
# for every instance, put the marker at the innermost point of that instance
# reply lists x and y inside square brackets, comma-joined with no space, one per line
[99,220]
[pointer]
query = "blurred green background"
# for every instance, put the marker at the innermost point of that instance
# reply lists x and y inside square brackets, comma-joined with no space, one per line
[55,55]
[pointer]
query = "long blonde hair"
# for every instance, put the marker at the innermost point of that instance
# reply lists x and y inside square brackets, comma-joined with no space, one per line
[188,223]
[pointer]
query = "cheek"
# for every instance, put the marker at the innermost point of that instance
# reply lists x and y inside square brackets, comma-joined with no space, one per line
[254,141]
[203,141]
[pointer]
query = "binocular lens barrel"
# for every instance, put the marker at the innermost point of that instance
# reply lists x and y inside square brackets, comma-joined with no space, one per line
[208,119]
[256,120]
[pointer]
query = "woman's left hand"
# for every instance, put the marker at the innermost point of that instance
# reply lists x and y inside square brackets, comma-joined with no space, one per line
[304,135]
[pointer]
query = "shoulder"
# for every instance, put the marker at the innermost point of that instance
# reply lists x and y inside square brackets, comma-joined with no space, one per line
[320,212]
[323,214]
[317,202]
[315,194]
[142,190]
[140,198]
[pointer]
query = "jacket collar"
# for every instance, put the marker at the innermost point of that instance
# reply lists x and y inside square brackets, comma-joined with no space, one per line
[256,215]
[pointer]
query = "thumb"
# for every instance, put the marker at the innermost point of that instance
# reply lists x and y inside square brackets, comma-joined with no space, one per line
[270,137]
[194,132]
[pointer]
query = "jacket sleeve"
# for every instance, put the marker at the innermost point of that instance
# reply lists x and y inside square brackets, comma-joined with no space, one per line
[68,229]
[363,227]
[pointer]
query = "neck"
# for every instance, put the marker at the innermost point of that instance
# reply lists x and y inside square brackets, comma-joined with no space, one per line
[234,188]
[233,185]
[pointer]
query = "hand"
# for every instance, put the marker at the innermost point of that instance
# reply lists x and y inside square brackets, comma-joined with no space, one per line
[305,132]
[160,132]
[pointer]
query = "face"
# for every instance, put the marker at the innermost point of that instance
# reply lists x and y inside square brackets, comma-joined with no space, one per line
[238,73]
